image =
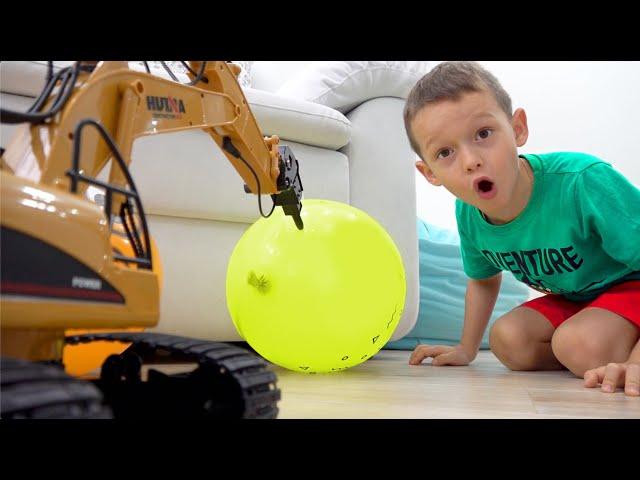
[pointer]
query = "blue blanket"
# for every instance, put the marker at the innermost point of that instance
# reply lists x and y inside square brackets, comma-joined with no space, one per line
[442,290]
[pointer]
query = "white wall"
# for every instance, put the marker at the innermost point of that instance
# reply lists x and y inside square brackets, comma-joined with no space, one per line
[591,107]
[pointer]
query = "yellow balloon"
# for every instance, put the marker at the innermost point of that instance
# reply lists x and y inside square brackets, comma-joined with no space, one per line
[321,299]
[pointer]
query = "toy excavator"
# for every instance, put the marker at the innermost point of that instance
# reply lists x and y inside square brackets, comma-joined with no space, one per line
[61,265]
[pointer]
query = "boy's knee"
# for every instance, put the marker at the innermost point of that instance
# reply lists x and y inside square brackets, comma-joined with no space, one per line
[511,344]
[503,333]
[578,349]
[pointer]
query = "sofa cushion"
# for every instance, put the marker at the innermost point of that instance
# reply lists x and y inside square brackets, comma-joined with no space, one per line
[345,85]
[26,78]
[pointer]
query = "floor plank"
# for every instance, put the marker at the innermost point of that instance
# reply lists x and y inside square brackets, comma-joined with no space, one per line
[387,387]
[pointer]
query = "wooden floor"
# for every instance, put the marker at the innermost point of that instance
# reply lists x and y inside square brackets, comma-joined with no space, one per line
[387,387]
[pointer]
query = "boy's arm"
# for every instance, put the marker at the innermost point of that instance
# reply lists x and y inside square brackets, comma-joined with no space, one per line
[610,207]
[480,299]
[482,293]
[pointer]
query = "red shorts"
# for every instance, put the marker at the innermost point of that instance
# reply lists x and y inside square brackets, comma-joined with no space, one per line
[622,299]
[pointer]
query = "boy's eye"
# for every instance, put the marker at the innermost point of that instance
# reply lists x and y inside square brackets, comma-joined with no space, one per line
[484,133]
[444,153]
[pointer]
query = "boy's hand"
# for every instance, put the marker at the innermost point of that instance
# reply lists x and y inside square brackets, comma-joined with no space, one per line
[615,375]
[442,355]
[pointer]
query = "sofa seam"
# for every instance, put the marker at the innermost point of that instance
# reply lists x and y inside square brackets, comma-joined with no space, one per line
[339,120]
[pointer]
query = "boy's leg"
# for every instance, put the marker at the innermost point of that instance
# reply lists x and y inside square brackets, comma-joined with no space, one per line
[521,339]
[592,338]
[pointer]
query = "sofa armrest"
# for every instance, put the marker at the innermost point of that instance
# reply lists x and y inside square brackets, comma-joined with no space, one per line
[382,183]
[298,120]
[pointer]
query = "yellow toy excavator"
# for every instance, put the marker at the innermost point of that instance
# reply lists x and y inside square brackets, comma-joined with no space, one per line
[61,265]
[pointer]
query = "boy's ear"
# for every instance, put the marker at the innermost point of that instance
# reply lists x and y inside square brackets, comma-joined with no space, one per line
[520,128]
[427,173]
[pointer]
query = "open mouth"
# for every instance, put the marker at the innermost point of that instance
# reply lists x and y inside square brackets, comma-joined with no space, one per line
[485,187]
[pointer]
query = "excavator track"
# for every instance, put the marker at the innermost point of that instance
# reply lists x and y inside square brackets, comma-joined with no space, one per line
[228,382]
[39,391]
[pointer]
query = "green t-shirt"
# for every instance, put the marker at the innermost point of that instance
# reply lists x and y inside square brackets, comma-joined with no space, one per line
[578,235]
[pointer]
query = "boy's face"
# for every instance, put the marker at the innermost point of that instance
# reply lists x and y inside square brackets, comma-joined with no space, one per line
[469,146]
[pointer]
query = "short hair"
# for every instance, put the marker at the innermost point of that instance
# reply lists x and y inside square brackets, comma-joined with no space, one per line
[447,81]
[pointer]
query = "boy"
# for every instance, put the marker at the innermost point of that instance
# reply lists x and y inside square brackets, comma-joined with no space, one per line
[566,224]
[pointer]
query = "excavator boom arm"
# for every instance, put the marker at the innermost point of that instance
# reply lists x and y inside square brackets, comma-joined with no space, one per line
[129,104]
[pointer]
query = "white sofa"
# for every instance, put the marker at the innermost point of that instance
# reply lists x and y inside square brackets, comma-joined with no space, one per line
[197,208]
